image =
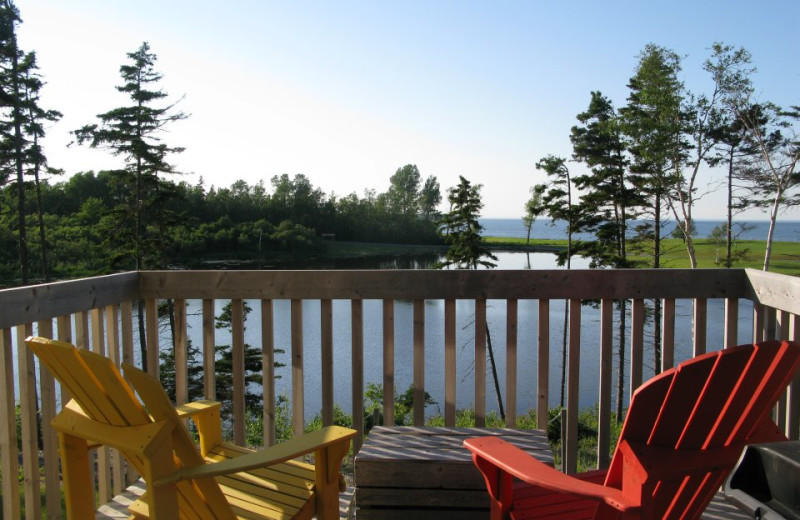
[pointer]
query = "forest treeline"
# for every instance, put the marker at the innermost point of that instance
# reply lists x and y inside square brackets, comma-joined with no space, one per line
[284,219]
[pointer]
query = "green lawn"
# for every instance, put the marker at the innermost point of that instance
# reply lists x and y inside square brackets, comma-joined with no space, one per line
[785,255]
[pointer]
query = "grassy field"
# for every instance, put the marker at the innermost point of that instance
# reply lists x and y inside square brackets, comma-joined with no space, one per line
[785,255]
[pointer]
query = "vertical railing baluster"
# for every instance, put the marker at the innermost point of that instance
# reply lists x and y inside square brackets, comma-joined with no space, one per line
[511,363]
[604,402]
[126,324]
[209,351]
[113,353]
[793,397]
[480,363]
[357,307]
[782,333]
[298,401]
[326,358]
[97,326]
[758,322]
[637,344]
[388,362]
[181,353]
[573,385]
[9,453]
[64,333]
[419,362]
[770,323]
[151,333]
[47,385]
[543,377]
[30,429]
[699,326]
[731,337]
[268,369]
[668,334]
[450,363]
[238,371]
[82,329]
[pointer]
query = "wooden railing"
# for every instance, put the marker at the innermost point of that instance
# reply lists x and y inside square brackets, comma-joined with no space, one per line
[101,313]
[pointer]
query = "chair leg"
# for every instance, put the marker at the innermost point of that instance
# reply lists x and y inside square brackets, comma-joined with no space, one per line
[327,467]
[163,500]
[77,477]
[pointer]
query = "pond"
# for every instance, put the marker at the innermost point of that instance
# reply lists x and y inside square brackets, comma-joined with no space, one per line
[434,342]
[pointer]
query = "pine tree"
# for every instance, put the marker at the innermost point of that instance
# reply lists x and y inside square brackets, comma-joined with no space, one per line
[132,132]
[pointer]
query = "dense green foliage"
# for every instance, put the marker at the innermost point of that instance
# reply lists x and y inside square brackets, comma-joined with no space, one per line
[241,222]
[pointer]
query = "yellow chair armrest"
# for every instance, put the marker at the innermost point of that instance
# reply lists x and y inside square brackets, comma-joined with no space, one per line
[291,449]
[206,417]
[188,410]
[139,440]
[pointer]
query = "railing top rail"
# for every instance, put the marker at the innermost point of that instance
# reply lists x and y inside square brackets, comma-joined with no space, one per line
[456,284]
[775,290]
[39,302]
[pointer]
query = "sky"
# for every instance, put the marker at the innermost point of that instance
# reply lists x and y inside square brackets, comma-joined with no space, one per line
[347,92]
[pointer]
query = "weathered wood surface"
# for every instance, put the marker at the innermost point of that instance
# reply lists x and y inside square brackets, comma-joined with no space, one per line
[458,284]
[414,469]
[35,303]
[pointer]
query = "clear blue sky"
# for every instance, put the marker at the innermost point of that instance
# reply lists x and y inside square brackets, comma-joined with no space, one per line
[347,92]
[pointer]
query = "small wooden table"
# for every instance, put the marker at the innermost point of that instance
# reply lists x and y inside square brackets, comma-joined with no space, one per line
[425,473]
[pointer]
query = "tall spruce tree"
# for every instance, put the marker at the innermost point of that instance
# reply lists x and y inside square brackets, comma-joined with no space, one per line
[559,204]
[12,147]
[133,132]
[461,230]
[608,202]
[654,125]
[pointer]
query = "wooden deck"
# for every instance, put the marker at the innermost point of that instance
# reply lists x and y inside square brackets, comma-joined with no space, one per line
[117,509]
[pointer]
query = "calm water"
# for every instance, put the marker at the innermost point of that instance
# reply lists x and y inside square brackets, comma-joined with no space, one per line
[785,231]
[434,341]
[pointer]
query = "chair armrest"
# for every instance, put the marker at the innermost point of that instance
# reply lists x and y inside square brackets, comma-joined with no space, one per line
[206,417]
[189,410]
[310,442]
[138,440]
[515,462]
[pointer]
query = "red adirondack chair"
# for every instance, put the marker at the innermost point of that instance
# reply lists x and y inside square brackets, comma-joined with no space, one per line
[684,432]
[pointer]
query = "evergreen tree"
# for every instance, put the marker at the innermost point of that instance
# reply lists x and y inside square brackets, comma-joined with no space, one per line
[462,232]
[609,202]
[461,229]
[558,203]
[133,133]
[654,123]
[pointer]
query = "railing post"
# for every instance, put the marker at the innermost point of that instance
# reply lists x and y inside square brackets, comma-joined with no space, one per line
[573,384]
[9,453]
[511,363]
[238,371]
[388,362]
[480,363]
[419,362]
[604,403]
[326,360]
[543,377]
[358,372]
[30,430]
[450,363]
[268,369]
[298,401]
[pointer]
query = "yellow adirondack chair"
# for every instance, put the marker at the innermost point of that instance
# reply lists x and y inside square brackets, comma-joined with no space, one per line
[220,481]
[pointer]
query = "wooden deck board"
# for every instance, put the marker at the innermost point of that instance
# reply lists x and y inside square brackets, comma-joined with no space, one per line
[118,507]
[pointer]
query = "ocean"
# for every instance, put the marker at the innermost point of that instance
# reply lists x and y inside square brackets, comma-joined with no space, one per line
[785,231]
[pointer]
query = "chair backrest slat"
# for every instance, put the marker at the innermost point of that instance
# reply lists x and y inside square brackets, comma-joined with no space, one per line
[715,401]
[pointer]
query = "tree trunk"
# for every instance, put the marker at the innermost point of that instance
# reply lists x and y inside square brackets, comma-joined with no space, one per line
[494,374]
[729,231]
[39,210]
[773,217]
[623,318]
[18,159]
